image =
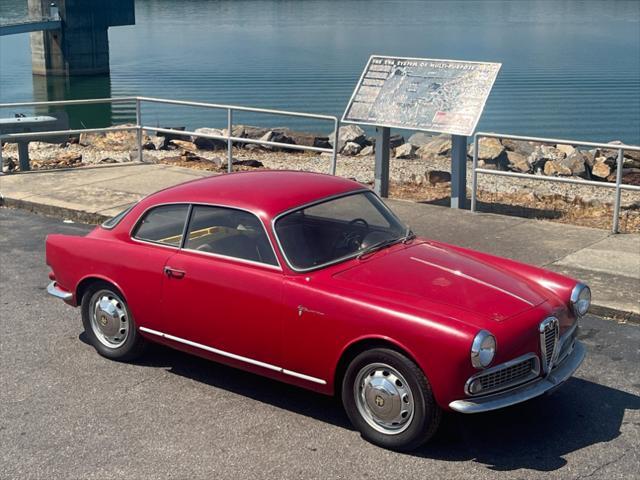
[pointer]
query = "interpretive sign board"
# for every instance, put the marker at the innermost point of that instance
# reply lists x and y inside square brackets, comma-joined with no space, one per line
[445,96]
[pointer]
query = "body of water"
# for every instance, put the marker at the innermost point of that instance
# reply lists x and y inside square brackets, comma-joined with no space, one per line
[571,69]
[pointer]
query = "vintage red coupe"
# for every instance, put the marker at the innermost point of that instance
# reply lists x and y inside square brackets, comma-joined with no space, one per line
[312,280]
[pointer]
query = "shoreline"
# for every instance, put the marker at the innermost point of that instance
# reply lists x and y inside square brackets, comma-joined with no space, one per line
[419,168]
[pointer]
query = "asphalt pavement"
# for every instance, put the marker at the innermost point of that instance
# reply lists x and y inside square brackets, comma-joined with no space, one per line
[66,412]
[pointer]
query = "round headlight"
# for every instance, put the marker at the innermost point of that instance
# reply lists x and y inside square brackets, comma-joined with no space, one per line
[483,349]
[580,299]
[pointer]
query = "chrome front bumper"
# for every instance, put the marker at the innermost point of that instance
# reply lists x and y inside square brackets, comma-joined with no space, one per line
[557,377]
[55,291]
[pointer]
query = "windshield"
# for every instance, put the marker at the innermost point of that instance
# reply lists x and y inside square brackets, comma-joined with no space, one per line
[336,229]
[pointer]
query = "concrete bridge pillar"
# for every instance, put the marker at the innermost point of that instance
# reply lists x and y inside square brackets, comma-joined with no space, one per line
[81,46]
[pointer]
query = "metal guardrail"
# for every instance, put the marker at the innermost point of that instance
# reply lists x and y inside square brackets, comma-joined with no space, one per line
[140,128]
[618,185]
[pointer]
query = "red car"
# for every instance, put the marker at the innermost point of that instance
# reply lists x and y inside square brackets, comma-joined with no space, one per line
[310,279]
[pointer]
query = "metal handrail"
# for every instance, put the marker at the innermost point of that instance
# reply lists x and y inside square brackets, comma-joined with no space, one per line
[140,128]
[57,103]
[618,185]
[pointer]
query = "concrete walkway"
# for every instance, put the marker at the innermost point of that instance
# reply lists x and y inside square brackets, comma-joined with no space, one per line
[610,264]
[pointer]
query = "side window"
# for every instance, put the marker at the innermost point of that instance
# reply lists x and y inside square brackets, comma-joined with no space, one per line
[163,225]
[229,232]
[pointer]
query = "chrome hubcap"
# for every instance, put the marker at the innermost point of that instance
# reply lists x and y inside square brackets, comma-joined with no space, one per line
[109,319]
[383,398]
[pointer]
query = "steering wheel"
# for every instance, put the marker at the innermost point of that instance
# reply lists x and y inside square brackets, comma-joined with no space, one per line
[355,221]
[352,237]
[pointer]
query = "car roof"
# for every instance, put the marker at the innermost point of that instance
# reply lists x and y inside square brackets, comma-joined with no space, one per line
[264,192]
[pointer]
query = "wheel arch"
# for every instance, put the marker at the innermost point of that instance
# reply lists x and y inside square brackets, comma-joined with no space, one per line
[359,345]
[88,280]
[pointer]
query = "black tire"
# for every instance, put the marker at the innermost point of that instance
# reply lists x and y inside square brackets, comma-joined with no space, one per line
[426,415]
[133,345]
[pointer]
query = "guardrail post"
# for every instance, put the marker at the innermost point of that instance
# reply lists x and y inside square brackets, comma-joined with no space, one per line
[458,171]
[381,169]
[474,173]
[1,159]
[139,130]
[229,142]
[616,206]
[334,155]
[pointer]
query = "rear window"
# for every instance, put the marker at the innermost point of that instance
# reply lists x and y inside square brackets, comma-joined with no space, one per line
[164,225]
[115,220]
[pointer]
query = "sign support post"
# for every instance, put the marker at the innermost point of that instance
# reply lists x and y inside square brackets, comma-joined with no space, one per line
[381,171]
[458,171]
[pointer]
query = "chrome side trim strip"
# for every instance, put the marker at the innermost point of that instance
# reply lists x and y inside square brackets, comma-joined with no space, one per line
[303,376]
[55,291]
[233,356]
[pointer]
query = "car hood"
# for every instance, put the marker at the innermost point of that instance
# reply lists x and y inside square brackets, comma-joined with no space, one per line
[443,275]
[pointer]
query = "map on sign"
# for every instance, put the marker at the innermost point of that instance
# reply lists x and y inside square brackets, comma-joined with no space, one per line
[445,96]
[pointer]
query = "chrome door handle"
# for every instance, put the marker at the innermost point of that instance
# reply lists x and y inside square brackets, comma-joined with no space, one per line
[302,309]
[174,273]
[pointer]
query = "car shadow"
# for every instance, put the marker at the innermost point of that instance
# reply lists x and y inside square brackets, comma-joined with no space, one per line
[535,435]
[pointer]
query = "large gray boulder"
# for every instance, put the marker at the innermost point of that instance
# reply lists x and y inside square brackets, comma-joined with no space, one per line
[156,143]
[576,161]
[275,136]
[351,148]
[420,138]
[438,146]
[395,141]
[601,168]
[406,150]
[573,164]
[490,149]
[523,148]
[566,149]
[542,154]
[304,138]
[518,162]
[248,131]
[438,176]
[368,150]
[610,154]
[170,136]
[209,143]
[348,133]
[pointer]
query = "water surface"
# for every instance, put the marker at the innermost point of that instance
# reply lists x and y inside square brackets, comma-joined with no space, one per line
[571,69]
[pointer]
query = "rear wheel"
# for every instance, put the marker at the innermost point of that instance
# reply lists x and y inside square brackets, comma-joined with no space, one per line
[109,324]
[389,400]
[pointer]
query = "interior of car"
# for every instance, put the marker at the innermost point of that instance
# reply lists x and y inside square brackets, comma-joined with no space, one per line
[229,232]
[311,240]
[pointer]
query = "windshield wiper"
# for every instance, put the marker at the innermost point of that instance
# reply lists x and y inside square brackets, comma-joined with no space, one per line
[408,236]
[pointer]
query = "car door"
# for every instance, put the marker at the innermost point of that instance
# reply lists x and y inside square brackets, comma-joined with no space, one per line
[223,288]
[139,264]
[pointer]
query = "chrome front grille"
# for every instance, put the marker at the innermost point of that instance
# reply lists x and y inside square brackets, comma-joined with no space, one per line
[566,343]
[504,376]
[549,334]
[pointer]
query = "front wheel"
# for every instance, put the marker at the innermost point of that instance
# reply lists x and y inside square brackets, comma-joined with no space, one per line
[109,324]
[389,400]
